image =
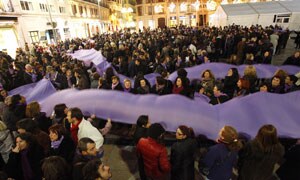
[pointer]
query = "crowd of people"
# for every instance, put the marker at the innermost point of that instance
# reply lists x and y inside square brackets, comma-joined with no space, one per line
[68,145]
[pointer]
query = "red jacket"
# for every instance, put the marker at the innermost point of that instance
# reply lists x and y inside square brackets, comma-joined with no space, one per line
[155,157]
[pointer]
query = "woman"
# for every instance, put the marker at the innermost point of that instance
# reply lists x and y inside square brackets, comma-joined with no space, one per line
[55,168]
[127,87]
[222,157]
[178,87]
[142,125]
[218,97]
[6,142]
[60,116]
[251,75]
[27,125]
[183,154]
[242,88]
[33,110]
[230,82]
[143,88]
[207,82]
[258,158]
[61,144]
[24,160]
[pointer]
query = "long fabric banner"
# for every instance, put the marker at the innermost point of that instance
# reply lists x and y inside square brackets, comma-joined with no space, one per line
[247,114]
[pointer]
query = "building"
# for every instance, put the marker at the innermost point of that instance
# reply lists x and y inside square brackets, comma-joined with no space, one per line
[49,21]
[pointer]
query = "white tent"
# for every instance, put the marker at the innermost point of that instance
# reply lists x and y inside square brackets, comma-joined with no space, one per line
[284,13]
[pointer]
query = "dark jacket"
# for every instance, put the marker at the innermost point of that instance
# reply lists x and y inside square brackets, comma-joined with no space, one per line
[79,162]
[182,159]
[65,150]
[254,164]
[43,121]
[289,170]
[14,165]
[139,133]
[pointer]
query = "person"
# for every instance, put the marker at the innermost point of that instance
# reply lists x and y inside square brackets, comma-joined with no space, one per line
[264,87]
[28,125]
[221,158]
[142,125]
[293,60]
[15,111]
[230,82]
[143,88]
[277,85]
[96,170]
[258,158]
[59,116]
[127,87]
[116,85]
[183,154]
[55,168]
[86,151]
[33,110]
[160,87]
[218,97]
[61,144]
[290,168]
[242,87]
[82,128]
[154,153]
[6,142]
[24,160]
[179,88]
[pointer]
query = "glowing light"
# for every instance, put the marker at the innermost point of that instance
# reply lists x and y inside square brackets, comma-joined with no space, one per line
[224,2]
[158,9]
[183,6]
[211,5]
[172,7]
[237,1]
[253,1]
[196,5]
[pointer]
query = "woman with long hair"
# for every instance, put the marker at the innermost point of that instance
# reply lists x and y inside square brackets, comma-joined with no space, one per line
[183,154]
[24,160]
[221,158]
[258,158]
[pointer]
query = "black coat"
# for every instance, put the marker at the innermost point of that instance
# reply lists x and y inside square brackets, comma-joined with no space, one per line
[14,164]
[182,159]
[65,150]
[290,168]
[43,121]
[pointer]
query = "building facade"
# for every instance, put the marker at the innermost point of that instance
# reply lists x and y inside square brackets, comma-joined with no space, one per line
[49,21]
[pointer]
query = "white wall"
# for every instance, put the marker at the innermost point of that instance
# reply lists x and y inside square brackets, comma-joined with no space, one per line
[219,18]
[266,19]
[294,23]
[245,20]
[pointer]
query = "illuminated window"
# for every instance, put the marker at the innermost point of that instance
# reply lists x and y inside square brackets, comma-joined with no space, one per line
[26,6]
[150,10]
[140,11]
[172,7]
[34,36]
[183,7]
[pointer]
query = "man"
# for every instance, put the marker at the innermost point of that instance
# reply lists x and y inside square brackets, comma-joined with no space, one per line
[82,128]
[86,152]
[95,169]
[153,154]
[29,75]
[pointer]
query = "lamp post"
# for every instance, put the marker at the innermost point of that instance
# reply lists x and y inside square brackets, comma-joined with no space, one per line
[52,25]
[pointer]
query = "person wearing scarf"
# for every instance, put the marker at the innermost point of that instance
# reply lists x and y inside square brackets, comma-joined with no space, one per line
[218,97]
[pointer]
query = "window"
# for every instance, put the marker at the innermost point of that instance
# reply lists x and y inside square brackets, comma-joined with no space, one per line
[282,18]
[34,36]
[62,9]
[150,10]
[140,10]
[74,9]
[43,7]
[26,6]
[52,8]
[139,1]
[80,10]
[92,11]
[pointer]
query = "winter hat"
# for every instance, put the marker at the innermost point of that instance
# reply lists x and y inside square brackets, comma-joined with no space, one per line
[156,130]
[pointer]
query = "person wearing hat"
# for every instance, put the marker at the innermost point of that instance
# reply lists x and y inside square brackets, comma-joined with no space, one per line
[220,159]
[154,154]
